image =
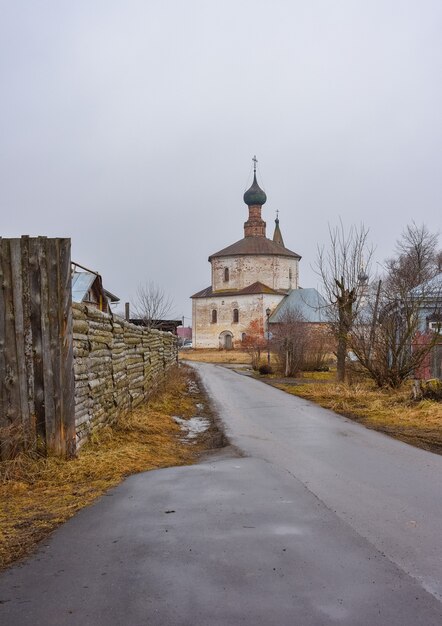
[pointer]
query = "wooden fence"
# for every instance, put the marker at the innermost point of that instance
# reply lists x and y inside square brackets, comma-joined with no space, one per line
[36,358]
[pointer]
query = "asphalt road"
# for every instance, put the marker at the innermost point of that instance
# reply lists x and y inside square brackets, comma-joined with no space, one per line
[321,522]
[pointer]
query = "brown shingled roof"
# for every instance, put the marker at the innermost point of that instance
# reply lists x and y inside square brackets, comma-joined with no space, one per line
[255,245]
[257,288]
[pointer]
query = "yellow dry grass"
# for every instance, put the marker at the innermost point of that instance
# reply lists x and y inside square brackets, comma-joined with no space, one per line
[391,411]
[36,495]
[216,356]
[330,375]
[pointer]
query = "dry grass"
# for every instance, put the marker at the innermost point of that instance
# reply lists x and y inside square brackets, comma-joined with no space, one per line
[330,375]
[216,356]
[390,411]
[36,495]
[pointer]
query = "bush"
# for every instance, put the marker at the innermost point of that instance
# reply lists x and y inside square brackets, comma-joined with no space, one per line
[432,389]
[311,368]
[265,369]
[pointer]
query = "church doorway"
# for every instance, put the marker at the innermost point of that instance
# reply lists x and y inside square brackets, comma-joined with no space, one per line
[226,340]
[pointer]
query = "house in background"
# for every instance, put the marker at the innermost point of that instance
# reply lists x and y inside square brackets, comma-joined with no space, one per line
[429,298]
[87,288]
[185,332]
[184,336]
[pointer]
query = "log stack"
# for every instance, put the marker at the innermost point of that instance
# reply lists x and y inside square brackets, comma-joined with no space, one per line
[116,366]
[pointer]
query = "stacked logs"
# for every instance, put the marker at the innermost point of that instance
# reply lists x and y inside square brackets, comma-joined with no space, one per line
[116,366]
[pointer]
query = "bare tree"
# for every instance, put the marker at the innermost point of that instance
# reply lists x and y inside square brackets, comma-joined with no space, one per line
[343,268]
[417,259]
[152,304]
[391,337]
[320,344]
[254,342]
[290,342]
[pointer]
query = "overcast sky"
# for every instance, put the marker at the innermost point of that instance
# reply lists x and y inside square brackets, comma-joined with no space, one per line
[130,125]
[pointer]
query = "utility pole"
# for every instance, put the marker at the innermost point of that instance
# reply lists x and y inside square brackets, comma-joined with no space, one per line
[268,336]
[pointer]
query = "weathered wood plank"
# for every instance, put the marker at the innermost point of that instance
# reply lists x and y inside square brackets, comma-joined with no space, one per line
[11,415]
[28,339]
[18,300]
[67,352]
[37,348]
[51,358]
[3,393]
[47,366]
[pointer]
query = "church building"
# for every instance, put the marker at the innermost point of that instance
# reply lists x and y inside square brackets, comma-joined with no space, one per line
[250,278]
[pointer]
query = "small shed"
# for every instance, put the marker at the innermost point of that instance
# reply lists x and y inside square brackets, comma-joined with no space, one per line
[87,288]
[169,326]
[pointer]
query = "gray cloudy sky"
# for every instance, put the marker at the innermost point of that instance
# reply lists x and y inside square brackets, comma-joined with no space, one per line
[129,126]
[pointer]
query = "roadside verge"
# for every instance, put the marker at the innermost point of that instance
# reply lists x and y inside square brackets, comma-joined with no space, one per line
[175,427]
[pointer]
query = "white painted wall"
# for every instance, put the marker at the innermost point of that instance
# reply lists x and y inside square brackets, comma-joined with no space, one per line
[277,272]
[251,307]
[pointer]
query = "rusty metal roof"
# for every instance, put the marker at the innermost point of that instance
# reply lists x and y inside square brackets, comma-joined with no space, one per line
[255,288]
[255,245]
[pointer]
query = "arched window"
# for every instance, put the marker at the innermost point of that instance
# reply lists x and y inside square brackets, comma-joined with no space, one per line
[214,316]
[290,274]
[235,316]
[226,274]
[243,337]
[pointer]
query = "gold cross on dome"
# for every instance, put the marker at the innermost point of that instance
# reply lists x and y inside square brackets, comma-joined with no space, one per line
[255,161]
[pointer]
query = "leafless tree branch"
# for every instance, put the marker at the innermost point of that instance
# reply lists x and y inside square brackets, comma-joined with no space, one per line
[343,267]
[152,304]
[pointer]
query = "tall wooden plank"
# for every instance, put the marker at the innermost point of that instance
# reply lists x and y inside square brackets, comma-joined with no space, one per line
[12,423]
[37,348]
[46,318]
[3,406]
[54,426]
[17,293]
[27,338]
[67,353]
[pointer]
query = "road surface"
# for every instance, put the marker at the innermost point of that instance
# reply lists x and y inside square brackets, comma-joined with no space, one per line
[319,522]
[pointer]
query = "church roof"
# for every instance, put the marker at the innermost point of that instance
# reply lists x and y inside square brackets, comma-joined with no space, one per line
[277,235]
[255,288]
[255,245]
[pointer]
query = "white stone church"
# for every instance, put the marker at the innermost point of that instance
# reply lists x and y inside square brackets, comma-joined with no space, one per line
[249,277]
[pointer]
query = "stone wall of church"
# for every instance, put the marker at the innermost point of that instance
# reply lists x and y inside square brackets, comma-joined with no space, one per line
[211,334]
[277,272]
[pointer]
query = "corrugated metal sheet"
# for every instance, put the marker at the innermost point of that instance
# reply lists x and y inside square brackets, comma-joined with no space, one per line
[81,283]
[429,289]
[307,302]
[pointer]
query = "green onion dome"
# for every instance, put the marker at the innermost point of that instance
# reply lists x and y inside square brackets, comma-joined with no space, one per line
[255,195]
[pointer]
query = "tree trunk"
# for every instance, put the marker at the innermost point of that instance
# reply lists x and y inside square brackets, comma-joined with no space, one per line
[341,357]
